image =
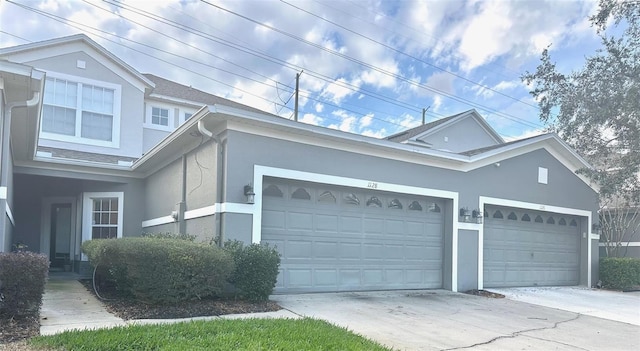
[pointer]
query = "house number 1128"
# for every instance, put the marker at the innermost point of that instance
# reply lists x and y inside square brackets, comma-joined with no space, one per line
[372,185]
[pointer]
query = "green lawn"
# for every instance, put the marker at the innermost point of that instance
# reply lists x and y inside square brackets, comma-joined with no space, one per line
[241,334]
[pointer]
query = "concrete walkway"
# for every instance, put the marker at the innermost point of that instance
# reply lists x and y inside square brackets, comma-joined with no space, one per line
[67,305]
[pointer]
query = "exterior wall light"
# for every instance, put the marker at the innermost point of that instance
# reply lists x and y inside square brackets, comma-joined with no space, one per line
[248,192]
[465,213]
[478,215]
[595,228]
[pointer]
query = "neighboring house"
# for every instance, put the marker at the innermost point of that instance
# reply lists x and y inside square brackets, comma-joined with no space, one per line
[104,151]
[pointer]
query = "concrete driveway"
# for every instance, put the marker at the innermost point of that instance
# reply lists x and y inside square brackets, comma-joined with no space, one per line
[614,305]
[442,320]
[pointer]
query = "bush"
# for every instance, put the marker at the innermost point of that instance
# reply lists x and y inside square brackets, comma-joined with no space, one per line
[169,235]
[256,270]
[620,272]
[22,279]
[157,270]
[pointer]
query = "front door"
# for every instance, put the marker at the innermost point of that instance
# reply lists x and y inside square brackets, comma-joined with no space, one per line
[60,247]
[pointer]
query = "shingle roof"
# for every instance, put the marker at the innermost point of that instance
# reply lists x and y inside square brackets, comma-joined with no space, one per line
[176,90]
[410,133]
[85,156]
[489,148]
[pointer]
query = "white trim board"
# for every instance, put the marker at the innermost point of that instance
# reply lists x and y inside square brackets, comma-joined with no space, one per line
[631,244]
[225,207]
[484,200]
[7,210]
[259,172]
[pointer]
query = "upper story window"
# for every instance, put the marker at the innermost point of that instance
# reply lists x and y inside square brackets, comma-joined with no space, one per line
[160,116]
[81,111]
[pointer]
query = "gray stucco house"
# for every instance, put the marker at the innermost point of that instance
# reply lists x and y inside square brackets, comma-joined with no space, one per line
[95,149]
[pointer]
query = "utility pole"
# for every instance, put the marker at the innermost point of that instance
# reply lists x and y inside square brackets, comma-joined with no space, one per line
[295,109]
[424,114]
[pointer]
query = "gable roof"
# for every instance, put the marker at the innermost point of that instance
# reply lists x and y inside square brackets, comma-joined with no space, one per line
[429,128]
[165,88]
[77,38]
[211,117]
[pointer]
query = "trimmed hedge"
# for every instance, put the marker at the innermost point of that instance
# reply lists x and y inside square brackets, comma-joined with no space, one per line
[620,272]
[256,270]
[161,270]
[22,279]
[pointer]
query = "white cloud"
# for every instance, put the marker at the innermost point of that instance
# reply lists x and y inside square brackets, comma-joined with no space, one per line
[310,118]
[365,121]
[319,107]
[379,134]
[336,92]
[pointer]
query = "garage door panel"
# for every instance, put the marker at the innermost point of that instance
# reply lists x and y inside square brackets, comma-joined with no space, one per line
[273,219]
[298,249]
[350,224]
[530,253]
[326,223]
[338,246]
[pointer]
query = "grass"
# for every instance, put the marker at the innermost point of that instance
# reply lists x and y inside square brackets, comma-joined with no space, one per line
[224,334]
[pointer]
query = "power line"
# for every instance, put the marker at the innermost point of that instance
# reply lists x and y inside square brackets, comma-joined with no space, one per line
[68,22]
[409,55]
[377,69]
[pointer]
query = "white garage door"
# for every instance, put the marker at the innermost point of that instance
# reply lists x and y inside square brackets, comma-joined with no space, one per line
[341,239]
[530,248]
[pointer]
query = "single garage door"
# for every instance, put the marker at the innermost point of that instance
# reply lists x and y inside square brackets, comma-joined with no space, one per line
[342,239]
[530,248]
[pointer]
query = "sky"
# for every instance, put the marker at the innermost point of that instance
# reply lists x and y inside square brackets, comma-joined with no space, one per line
[366,67]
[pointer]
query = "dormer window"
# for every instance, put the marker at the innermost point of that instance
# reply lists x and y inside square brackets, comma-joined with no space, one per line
[160,116]
[80,110]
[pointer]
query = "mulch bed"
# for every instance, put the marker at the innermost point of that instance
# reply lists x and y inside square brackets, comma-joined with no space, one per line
[129,309]
[484,293]
[15,329]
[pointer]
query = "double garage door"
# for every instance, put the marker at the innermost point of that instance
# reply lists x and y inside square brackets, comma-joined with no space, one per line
[335,238]
[530,248]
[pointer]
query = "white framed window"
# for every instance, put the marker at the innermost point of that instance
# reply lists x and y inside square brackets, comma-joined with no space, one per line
[81,110]
[102,215]
[160,116]
[186,116]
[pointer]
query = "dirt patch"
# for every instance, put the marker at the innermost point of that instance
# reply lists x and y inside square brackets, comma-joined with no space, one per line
[484,293]
[129,309]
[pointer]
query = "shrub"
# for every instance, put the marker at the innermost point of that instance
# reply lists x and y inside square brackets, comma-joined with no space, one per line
[157,270]
[620,272]
[169,235]
[256,269]
[22,279]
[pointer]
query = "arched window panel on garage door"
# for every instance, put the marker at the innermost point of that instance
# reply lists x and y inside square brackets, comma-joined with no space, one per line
[272,190]
[351,199]
[539,219]
[550,220]
[415,206]
[327,197]
[525,218]
[512,216]
[395,204]
[562,221]
[374,201]
[433,207]
[301,194]
[498,215]
[573,223]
